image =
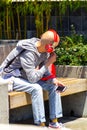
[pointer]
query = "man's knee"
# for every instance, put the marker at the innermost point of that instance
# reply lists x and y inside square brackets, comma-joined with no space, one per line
[38,89]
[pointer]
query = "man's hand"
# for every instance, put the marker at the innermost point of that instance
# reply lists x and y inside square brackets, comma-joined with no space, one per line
[57,82]
[51,59]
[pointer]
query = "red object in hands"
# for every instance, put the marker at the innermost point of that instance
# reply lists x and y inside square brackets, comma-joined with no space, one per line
[52,70]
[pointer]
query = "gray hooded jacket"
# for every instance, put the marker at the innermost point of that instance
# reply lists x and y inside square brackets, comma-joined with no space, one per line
[23,61]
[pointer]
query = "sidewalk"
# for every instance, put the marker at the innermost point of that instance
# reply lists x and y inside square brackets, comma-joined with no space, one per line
[76,123]
[69,122]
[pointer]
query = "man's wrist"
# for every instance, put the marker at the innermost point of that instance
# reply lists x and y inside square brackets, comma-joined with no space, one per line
[54,79]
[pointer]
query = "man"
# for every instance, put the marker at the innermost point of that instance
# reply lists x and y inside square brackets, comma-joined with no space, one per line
[29,64]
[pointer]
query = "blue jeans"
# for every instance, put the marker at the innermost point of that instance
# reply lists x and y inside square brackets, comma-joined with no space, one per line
[36,91]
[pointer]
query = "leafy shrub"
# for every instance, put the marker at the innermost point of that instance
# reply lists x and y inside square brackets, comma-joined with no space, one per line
[72,50]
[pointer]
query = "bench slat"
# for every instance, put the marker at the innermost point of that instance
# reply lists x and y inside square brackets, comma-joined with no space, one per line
[18,99]
[75,86]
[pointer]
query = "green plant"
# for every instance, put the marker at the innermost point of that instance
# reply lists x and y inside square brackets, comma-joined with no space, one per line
[72,50]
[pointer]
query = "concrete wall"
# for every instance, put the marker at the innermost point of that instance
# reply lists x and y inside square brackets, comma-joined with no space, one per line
[5,49]
[71,71]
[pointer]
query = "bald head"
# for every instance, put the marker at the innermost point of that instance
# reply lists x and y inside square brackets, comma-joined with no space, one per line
[47,37]
[49,40]
[50,36]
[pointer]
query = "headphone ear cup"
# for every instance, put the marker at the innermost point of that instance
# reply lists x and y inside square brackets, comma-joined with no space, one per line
[49,48]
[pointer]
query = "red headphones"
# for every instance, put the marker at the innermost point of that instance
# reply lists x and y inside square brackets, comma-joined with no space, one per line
[49,46]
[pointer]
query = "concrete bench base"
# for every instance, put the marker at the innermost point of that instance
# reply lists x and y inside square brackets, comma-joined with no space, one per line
[4,104]
[75,105]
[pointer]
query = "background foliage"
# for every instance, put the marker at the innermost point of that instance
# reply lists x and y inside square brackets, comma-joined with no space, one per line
[72,50]
[11,13]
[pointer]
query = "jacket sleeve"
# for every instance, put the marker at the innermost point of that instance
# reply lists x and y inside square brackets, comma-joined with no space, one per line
[28,64]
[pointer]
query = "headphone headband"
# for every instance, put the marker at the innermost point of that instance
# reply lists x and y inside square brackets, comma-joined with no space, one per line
[56,36]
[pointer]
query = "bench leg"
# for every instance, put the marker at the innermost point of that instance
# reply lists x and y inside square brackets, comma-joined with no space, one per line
[4,105]
[75,105]
[85,105]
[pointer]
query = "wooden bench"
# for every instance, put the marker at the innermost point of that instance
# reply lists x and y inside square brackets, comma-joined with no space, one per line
[74,85]
[14,99]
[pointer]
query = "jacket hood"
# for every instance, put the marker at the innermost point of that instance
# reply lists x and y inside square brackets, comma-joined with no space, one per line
[28,44]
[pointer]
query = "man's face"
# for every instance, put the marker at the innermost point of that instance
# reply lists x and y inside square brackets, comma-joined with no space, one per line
[55,44]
